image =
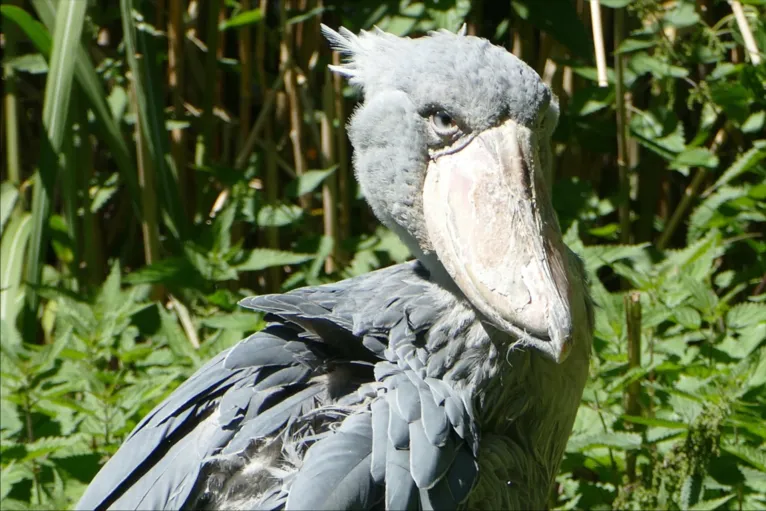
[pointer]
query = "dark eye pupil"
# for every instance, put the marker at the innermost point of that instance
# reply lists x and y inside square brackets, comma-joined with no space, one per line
[443,120]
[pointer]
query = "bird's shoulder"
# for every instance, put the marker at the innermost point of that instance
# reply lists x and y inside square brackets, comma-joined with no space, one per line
[253,389]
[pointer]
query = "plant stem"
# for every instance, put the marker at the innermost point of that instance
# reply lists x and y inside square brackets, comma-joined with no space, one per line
[245,79]
[344,182]
[146,182]
[176,85]
[747,34]
[622,131]
[273,276]
[291,89]
[211,80]
[329,187]
[12,160]
[598,42]
[632,303]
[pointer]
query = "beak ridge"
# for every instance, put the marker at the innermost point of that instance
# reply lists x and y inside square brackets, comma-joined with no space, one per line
[490,220]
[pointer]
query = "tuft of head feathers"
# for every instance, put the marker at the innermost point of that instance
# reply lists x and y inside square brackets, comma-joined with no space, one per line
[467,74]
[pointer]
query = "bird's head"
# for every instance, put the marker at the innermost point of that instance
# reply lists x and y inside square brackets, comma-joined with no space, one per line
[452,151]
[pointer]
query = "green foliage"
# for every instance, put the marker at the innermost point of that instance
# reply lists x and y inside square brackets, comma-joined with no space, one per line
[167,206]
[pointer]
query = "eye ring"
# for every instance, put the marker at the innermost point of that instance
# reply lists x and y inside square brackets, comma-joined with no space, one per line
[443,123]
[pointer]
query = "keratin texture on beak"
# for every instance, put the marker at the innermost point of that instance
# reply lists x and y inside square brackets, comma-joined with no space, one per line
[490,219]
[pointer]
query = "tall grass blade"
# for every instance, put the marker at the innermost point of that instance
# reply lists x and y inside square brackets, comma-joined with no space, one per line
[66,38]
[32,28]
[9,194]
[108,128]
[12,248]
[148,86]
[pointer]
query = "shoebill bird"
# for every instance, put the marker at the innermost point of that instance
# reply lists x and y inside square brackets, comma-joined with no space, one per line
[447,382]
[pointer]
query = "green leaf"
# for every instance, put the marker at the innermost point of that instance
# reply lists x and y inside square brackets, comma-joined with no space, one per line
[326,245]
[309,181]
[615,4]
[262,258]
[279,215]
[305,16]
[12,258]
[591,99]
[758,377]
[654,421]
[32,63]
[244,321]
[597,256]
[755,479]
[222,228]
[70,19]
[703,214]
[755,457]
[754,123]
[90,83]
[733,98]
[688,317]
[742,164]
[630,45]
[171,270]
[617,439]
[110,295]
[14,473]
[711,504]
[684,15]
[32,28]
[746,314]
[8,197]
[695,157]
[242,19]
[642,63]
[691,491]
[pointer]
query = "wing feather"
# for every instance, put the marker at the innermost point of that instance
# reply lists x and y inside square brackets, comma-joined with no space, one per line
[336,470]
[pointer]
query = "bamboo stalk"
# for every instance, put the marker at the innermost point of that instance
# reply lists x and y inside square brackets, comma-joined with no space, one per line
[598,42]
[211,80]
[93,243]
[260,124]
[623,207]
[10,101]
[146,183]
[296,111]
[747,34]
[329,187]
[632,303]
[69,190]
[245,79]
[344,183]
[160,10]
[273,275]
[176,86]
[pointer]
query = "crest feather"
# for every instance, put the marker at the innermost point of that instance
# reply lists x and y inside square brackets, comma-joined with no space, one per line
[347,44]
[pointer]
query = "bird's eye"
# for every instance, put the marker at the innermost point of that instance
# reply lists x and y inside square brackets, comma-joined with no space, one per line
[444,124]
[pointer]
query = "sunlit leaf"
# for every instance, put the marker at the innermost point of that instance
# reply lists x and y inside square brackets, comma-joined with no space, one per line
[262,258]
[243,18]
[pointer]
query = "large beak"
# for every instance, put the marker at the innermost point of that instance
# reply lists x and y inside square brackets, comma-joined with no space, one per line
[490,219]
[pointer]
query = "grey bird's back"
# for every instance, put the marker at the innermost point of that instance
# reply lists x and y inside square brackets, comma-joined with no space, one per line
[235,434]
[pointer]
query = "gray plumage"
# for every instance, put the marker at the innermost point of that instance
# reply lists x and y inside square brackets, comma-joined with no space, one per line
[394,389]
